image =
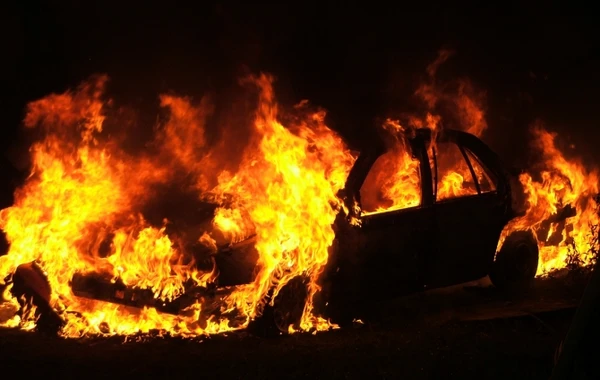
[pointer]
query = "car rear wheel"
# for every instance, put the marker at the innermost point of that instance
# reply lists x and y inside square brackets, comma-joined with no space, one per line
[516,263]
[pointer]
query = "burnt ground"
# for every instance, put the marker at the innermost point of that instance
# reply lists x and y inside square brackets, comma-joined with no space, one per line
[455,332]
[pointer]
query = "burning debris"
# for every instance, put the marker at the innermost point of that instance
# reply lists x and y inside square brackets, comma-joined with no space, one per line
[90,249]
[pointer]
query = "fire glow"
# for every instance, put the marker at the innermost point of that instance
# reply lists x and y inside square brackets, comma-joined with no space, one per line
[81,209]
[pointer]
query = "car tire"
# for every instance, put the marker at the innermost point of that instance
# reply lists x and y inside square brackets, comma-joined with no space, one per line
[285,312]
[516,263]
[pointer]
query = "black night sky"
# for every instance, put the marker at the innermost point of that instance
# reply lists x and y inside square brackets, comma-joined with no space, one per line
[359,61]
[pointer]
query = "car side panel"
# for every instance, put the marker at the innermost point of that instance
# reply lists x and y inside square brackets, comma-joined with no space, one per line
[394,246]
[467,230]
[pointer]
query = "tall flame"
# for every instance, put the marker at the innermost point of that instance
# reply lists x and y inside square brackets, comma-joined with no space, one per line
[288,187]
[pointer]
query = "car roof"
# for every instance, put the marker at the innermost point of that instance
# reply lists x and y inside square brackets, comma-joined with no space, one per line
[381,140]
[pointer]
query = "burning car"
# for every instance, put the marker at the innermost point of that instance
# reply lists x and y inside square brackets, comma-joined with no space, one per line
[292,234]
[444,230]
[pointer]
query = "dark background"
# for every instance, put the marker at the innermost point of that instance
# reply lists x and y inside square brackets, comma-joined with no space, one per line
[359,61]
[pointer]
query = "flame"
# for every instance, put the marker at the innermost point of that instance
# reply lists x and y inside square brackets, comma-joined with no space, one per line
[83,207]
[399,185]
[561,183]
[393,182]
[288,187]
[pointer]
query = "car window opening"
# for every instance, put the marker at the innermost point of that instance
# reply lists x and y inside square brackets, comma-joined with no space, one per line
[485,178]
[454,176]
[393,183]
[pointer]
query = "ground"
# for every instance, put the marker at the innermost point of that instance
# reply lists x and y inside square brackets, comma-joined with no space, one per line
[458,332]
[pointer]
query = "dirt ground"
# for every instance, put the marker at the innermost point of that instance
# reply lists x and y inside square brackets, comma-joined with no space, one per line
[458,332]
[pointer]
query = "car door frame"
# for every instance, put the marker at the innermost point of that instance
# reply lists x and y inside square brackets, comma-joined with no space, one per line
[363,165]
[442,272]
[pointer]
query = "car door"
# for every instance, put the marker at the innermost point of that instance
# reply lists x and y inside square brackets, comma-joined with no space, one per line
[395,236]
[469,215]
